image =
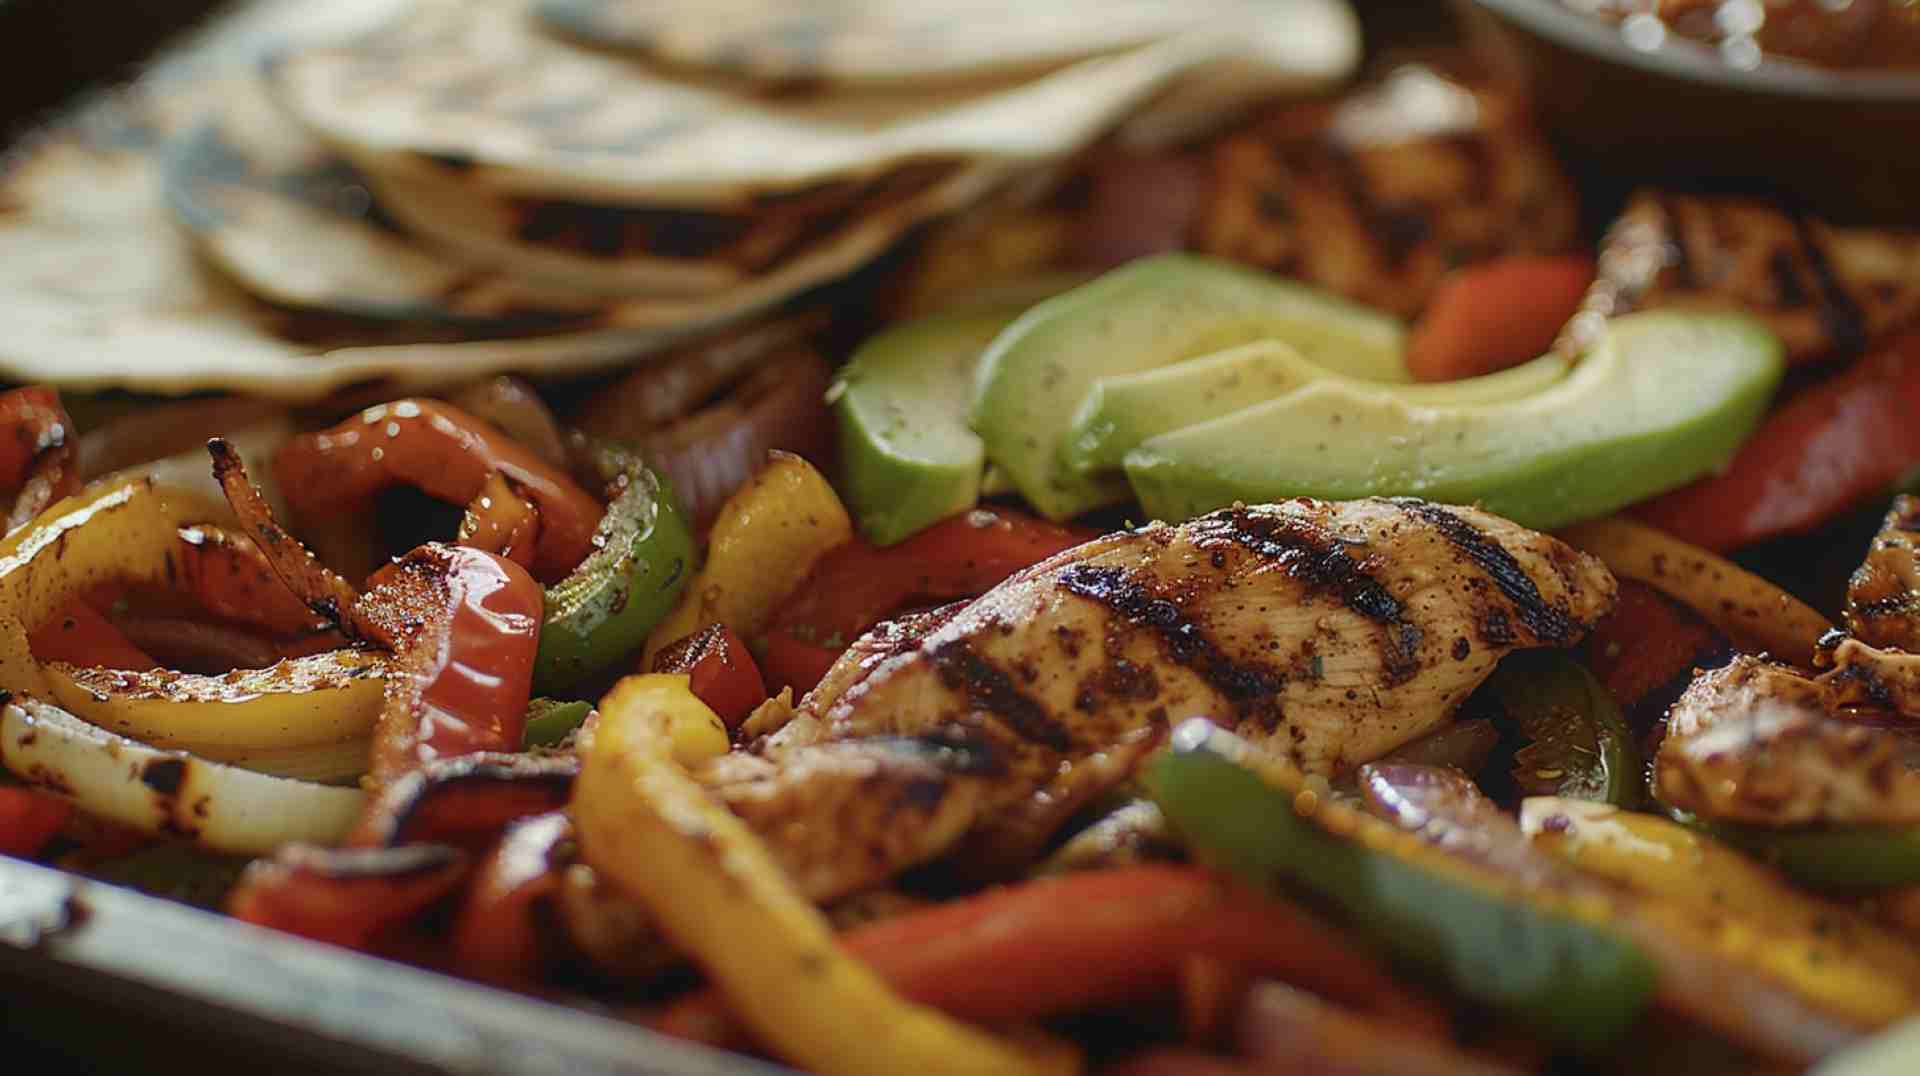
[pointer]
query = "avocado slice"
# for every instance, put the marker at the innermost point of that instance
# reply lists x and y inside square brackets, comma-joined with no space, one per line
[1149,313]
[1511,942]
[1663,398]
[907,457]
[1122,411]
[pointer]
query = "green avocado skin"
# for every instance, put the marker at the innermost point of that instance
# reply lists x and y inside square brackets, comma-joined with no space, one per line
[1578,983]
[1665,398]
[1149,313]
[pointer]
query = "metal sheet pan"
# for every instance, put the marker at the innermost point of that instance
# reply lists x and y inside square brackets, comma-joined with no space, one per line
[125,982]
[99,979]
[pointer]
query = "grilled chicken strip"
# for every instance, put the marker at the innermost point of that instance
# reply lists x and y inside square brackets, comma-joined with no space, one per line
[1330,633]
[1376,195]
[1827,292]
[1883,597]
[905,801]
[1762,744]
[1866,678]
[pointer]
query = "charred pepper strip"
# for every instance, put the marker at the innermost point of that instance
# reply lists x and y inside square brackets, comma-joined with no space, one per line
[330,597]
[463,626]
[354,897]
[231,578]
[497,936]
[642,558]
[445,453]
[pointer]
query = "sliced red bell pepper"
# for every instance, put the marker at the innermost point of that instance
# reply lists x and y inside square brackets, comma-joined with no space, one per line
[1071,942]
[228,575]
[81,636]
[465,802]
[464,626]
[28,820]
[795,664]
[37,456]
[445,453]
[1828,448]
[720,672]
[1646,642]
[496,937]
[347,896]
[858,585]
[35,422]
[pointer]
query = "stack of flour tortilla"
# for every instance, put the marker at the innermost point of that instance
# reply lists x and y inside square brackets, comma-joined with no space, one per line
[453,188]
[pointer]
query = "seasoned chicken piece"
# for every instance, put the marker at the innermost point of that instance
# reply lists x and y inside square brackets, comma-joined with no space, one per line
[1375,195]
[870,805]
[1379,194]
[1825,291]
[1863,677]
[1883,597]
[1764,744]
[1759,743]
[1331,633]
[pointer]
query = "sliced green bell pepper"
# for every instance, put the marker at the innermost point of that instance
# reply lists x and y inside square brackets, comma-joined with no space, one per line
[642,556]
[1460,921]
[1827,857]
[551,721]
[1578,745]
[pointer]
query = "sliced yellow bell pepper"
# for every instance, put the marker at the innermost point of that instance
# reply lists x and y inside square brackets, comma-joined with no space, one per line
[765,541]
[121,532]
[718,893]
[307,717]
[1829,954]
[267,719]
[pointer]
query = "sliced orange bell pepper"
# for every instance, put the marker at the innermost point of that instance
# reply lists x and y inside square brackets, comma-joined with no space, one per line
[1498,314]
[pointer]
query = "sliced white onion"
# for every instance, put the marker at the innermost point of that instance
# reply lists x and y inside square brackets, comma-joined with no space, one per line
[169,793]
